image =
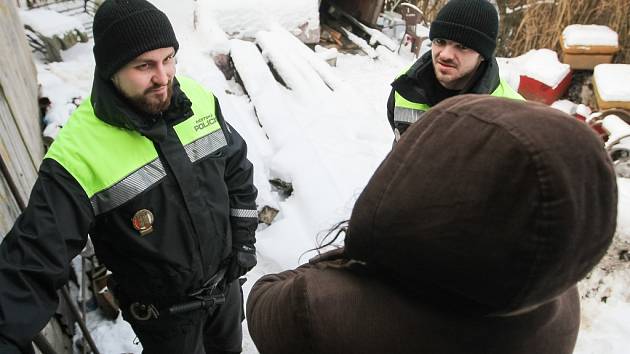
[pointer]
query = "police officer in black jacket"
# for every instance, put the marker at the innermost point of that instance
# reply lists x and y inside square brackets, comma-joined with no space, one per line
[148,167]
[463,40]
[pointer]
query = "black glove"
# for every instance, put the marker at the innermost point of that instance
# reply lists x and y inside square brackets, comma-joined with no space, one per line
[242,261]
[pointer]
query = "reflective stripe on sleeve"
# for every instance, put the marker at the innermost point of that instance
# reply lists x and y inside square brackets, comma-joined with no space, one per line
[244,213]
[407,115]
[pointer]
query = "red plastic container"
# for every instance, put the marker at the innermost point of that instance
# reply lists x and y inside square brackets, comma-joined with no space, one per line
[535,90]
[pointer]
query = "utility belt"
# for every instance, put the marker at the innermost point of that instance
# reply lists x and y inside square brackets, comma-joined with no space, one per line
[210,295]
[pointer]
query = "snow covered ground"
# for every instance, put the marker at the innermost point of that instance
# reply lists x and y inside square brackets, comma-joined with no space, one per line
[325,132]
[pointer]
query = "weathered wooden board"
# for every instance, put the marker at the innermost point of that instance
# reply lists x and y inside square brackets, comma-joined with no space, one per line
[18,79]
[21,148]
[18,166]
[9,209]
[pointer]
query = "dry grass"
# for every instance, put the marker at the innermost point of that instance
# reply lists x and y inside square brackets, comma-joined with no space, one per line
[534,24]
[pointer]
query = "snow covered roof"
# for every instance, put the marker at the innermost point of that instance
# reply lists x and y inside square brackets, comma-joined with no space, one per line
[50,23]
[589,35]
[613,82]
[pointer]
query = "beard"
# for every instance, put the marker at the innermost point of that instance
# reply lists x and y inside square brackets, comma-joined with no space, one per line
[149,102]
[454,74]
[457,75]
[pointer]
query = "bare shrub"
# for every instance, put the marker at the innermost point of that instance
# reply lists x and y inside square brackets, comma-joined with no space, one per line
[534,24]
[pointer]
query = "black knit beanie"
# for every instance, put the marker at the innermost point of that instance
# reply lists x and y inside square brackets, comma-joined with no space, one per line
[124,29]
[473,23]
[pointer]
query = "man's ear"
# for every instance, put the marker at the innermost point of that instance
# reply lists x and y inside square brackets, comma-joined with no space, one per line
[114,80]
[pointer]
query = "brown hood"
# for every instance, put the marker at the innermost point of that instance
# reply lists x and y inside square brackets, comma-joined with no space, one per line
[500,204]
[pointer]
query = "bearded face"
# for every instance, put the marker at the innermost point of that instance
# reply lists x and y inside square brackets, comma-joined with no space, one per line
[147,80]
[454,64]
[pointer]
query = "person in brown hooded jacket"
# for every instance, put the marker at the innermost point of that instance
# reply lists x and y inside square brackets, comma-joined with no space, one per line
[469,238]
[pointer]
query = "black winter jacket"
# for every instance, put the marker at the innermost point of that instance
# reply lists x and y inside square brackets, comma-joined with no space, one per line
[192,236]
[419,84]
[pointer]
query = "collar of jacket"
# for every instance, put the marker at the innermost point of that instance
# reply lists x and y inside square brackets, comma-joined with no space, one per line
[112,108]
[417,84]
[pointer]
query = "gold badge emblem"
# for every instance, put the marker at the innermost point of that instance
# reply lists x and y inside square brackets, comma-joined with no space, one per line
[143,221]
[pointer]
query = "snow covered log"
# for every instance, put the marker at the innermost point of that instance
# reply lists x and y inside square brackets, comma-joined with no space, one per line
[244,18]
[54,30]
[263,90]
[300,68]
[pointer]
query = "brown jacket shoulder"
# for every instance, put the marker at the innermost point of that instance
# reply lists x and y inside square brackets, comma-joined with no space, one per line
[331,307]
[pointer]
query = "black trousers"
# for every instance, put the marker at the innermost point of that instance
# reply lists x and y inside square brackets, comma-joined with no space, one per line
[217,331]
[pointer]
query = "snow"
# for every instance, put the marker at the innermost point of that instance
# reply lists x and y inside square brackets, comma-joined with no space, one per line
[606,327]
[583,111]
[565,106]
[50,23]
[302,70]
[422,31]
[113,337]
[326,53]
[365,47]
[578,110]
[543,65]
[617,128]
[605,301]
[377,36]
[623,212]
[217,40]
[393,24]
[539,64]
[299,124]
[613,82]
[325,131]
[510,71]
[244,18]
[589,35]
[66,84]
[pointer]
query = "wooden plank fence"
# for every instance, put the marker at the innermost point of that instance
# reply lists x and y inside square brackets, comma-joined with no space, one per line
[21,147]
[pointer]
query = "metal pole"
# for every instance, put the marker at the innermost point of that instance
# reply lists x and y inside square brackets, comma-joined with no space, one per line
[75,312]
